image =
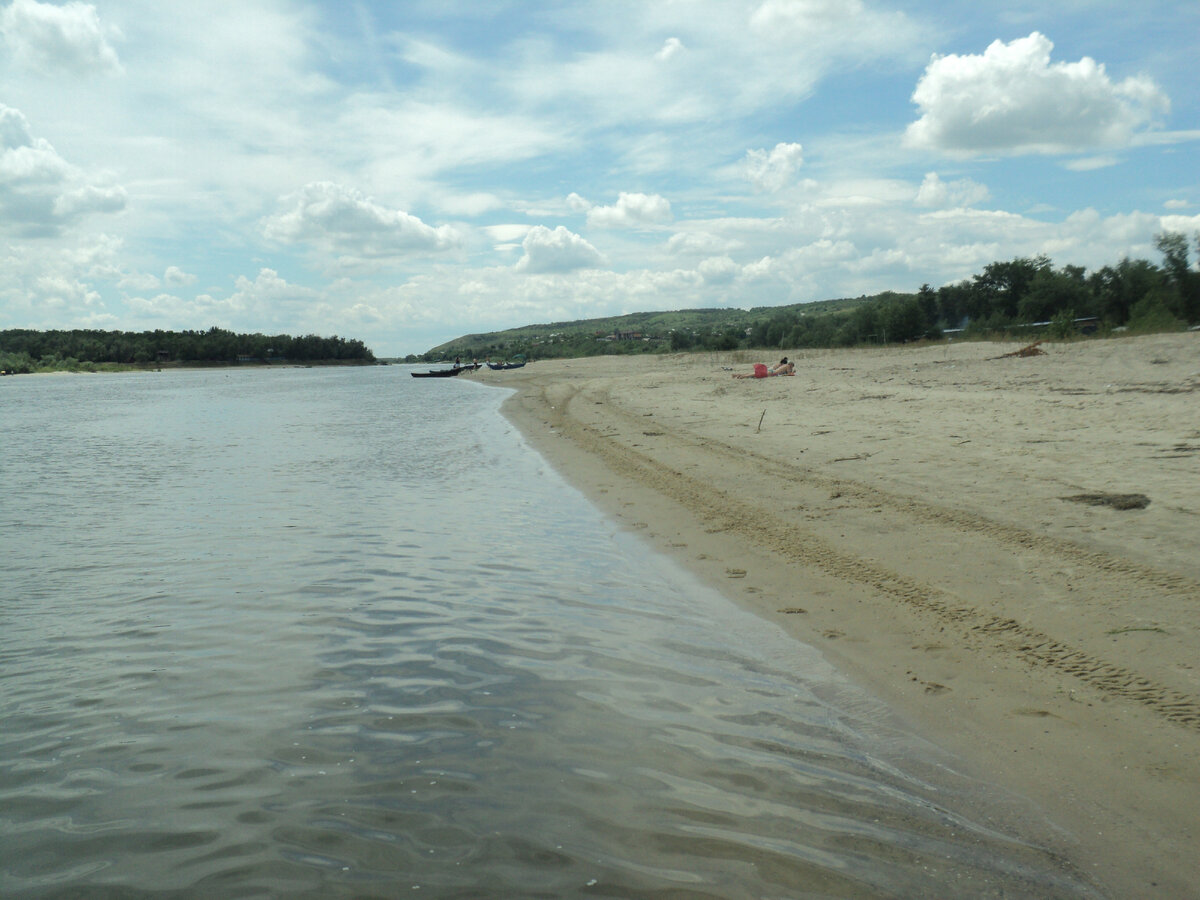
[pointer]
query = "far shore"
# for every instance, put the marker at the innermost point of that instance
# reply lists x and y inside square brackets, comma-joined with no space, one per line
[167,366]
[1004,548]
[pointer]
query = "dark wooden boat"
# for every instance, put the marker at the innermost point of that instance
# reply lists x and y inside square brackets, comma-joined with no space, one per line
[515,363]
[445,373]
[439,373]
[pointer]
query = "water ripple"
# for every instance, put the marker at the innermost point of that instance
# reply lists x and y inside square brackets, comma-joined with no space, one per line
[282,645]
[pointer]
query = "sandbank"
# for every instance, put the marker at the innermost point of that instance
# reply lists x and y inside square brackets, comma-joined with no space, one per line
[1004,549]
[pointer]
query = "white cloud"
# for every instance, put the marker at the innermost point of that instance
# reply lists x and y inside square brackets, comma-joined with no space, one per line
[176,277]
[714,57]
[1176,204]
[937,194]
[43,285]
[559,250]
[1013,99]
[339,219]
[53,39]
[88,199]
[267,289]
[631,211]
[718,270]
[823,30]
[40,192]
[804,17]
[267,302]
[142,282]
[672,48]
[700,243]
[470,205]
[506,234]
[1091,163]
[772,171]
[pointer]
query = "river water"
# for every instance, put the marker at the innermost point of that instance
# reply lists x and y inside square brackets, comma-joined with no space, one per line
[341,633]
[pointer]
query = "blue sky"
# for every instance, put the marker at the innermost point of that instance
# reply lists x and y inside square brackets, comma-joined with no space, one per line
[407,172]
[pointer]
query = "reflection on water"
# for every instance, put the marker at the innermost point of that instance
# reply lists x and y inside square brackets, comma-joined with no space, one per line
[340,633]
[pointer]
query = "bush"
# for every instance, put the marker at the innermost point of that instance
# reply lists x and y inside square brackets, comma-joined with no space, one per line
[16,363]
[1062,325]
[1150,314]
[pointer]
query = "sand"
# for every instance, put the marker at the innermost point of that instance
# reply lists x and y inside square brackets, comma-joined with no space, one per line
[954,529]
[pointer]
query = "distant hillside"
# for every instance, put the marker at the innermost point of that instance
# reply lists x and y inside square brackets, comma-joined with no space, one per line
[632,333]
[1026,296]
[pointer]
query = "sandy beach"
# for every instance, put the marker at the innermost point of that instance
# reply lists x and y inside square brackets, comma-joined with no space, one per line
[1005,549]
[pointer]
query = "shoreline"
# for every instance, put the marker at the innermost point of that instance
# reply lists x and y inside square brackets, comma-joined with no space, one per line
[951,527]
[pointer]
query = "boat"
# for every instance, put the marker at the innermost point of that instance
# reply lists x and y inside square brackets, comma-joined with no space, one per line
[445,373]
[515,363]
[436,373]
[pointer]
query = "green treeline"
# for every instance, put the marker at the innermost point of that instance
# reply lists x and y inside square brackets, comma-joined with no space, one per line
[24,350]
[1005,299]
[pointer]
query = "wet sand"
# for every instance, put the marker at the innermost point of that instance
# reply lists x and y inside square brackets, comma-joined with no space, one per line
[1005,549]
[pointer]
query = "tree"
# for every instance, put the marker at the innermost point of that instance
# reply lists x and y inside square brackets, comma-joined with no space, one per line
[901,321]
[682,340]
[1053,292]
[1186,283]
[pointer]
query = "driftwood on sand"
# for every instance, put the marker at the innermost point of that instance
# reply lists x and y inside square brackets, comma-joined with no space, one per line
[1030,350]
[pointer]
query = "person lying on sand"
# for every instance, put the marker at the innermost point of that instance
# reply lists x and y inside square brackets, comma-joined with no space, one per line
[783,367]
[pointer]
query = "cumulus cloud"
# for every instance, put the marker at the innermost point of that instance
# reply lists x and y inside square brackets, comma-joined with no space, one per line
[341,220]
[142,282]
[718,270]
[88,199]
[937,194]
[631,211]
[700,243]
[559,250]
[1013,99]
[772,170]
[54,39]
[265,302]
[176,277]
[40,192]
[266,290]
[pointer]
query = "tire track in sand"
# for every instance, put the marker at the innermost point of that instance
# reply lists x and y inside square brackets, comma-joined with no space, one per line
[784,538]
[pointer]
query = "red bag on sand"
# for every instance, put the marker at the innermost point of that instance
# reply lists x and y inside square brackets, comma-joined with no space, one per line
[760,370]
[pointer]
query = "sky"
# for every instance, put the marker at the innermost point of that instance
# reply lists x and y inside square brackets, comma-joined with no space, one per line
[405,173]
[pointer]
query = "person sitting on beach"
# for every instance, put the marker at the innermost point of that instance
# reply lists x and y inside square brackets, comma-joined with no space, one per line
[761,370]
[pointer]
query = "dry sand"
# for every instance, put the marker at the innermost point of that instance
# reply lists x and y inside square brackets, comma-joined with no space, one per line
[920,514]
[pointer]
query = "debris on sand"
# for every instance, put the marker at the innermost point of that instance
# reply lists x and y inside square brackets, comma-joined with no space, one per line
[1116,501]
[1030,350]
